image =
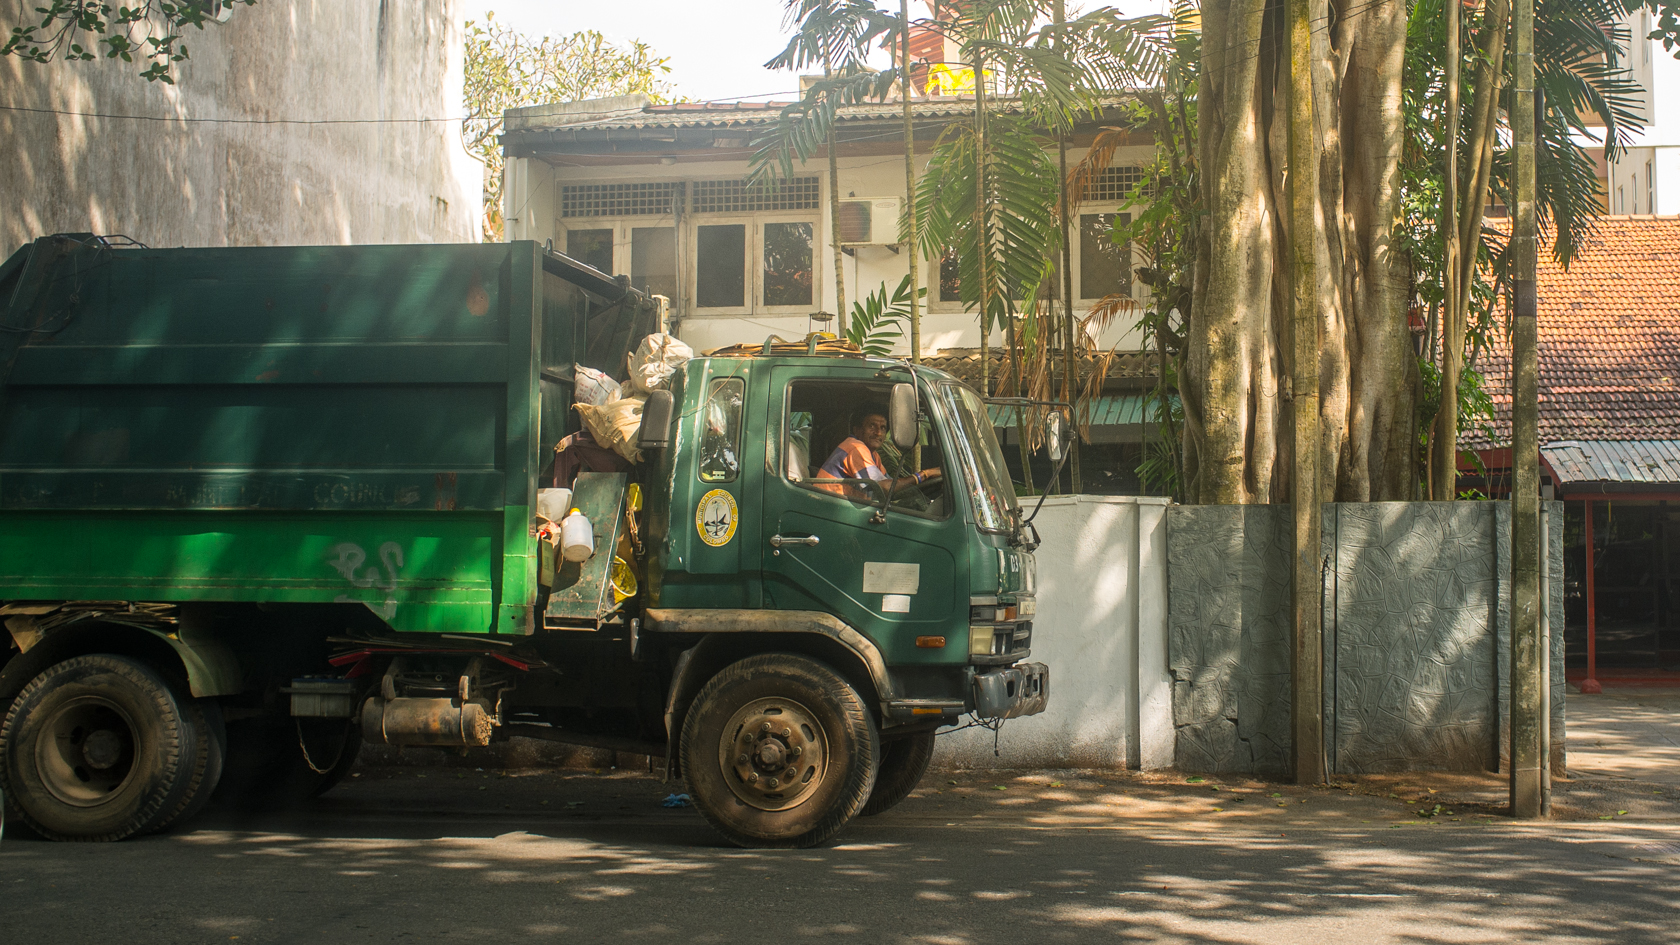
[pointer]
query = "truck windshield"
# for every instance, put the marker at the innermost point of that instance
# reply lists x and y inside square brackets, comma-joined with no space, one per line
[974,447]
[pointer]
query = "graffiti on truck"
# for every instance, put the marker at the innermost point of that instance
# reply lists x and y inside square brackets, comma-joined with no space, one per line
[350,557]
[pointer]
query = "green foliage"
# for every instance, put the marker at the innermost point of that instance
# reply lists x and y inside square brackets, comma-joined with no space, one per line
[85,30]
[1475,402]
[1579,68]
[1665,17]
[507,69]
[1022,236]
[1166,209]
[1580,73]
[877,322]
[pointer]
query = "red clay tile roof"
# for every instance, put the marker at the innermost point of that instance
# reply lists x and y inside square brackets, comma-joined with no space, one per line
[1609,339]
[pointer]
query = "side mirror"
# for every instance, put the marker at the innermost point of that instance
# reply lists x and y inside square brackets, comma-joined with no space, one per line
[902,416]
[655,432]
[1056,435]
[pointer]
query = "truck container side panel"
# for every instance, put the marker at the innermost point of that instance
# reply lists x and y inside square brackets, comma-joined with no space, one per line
[124,438]
[277,363]
[280,295]
[307,424]
[516,586]
[419,571]
[565,309]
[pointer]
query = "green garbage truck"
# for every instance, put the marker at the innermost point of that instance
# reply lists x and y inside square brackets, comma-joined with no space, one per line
[261,505]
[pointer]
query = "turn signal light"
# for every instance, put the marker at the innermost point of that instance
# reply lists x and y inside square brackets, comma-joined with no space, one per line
[930,643]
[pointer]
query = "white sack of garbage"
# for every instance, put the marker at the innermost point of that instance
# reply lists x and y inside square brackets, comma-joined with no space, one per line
[592,387]
[657,358]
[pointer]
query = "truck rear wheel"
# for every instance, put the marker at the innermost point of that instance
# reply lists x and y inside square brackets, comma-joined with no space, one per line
[208,756]
[903,762]
[779,751]
[100,747]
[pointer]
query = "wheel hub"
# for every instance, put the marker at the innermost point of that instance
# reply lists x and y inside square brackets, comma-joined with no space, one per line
[773,754]
[87,752]
[102,749]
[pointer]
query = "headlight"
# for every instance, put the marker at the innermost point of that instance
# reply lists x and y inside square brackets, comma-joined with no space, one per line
[979,641]
[1026,607]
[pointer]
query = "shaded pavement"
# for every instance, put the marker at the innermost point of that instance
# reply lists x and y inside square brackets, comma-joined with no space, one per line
[443,854]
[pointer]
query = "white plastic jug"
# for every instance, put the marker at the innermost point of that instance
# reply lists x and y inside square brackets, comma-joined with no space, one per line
[577,537]
[552,503]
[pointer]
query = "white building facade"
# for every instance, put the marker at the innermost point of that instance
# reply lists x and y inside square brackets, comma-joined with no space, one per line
[659,193]
[1646,179]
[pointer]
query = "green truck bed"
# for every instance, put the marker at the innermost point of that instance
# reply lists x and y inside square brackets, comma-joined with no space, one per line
[358,424]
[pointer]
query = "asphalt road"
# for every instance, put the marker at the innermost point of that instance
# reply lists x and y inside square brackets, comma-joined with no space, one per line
[438,855]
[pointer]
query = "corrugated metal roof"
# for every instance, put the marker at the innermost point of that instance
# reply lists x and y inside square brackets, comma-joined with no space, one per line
[614,115]
[964,364]
[1655,462]
[1105,411]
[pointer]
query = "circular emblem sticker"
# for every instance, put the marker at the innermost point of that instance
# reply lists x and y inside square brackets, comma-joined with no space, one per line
[715,517]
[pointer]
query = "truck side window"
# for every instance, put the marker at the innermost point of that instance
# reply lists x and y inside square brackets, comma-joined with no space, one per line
[720,434]
[819,423]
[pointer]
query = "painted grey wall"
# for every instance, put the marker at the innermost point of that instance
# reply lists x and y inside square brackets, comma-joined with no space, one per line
[175,182]
[1416,618]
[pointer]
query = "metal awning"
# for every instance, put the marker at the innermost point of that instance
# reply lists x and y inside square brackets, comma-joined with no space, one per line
[1108,410]
[1614,465]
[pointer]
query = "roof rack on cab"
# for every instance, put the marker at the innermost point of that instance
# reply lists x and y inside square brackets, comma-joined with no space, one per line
[818,344]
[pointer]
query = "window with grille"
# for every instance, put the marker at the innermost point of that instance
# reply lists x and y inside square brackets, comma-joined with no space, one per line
[616,200]
[737,196]
[1114,184]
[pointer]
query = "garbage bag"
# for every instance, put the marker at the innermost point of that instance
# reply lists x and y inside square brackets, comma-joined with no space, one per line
[615,424]
[657,358]
[592,387]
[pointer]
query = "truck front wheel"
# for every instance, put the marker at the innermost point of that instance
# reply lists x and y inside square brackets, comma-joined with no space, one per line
[903,762]
[779,751]
[100,748]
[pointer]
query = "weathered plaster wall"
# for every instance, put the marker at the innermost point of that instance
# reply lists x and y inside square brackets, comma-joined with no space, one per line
[177,182]
[1228,637]
[1101,627]
[1416,624]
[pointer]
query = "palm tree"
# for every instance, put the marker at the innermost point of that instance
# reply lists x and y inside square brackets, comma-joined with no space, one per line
[1580,76]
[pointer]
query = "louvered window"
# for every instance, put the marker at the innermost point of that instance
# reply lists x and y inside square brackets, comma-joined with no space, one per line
[616,200]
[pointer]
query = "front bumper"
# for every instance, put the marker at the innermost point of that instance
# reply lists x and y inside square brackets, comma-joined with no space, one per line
[1009,693]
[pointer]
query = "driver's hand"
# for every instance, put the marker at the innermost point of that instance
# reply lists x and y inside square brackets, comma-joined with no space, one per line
[931,474]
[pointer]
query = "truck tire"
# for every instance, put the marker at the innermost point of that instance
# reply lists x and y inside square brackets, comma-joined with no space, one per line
[209,756]
[100,747]
[766,716]
[266,767]
[903,762]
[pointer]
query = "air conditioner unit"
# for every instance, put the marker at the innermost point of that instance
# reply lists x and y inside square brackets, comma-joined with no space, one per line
[869,221]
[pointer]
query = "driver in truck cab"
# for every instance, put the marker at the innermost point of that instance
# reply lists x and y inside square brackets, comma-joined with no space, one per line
[859,455]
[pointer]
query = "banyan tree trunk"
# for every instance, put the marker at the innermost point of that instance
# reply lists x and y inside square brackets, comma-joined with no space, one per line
[1236,437]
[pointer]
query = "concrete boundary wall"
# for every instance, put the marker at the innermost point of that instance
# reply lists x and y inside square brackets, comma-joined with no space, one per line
[1102,628]
[1416,600]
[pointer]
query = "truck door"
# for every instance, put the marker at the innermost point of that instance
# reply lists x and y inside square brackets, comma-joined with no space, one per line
[891,579]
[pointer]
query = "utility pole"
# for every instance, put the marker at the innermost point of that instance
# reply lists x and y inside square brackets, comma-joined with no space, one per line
[1444,461]
[1527,709]
[915,248]
[1307,693]
[1070,347]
